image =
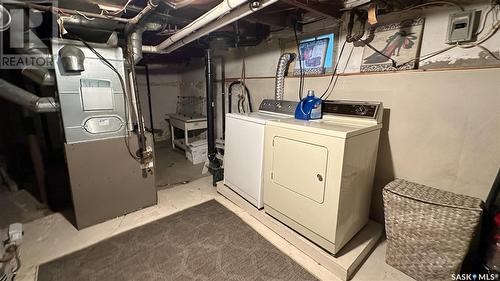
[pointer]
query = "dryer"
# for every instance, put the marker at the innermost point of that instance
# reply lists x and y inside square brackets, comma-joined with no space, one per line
[318,175]
[244,148]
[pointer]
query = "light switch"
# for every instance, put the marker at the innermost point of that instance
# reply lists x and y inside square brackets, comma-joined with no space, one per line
[462,27]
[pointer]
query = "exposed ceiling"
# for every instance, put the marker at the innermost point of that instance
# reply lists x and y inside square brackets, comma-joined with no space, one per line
[248,30]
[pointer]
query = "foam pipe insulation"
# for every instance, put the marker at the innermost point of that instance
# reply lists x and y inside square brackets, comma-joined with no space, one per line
[212,16]
[238,13]
[26,99]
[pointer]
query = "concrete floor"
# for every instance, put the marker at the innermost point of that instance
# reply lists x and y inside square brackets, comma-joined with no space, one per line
[53,236]
[19,206]
[173,167]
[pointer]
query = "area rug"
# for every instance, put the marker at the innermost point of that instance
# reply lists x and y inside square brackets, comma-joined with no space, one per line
[204,242]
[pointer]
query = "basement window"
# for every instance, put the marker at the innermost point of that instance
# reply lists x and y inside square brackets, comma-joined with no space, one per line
[316,55]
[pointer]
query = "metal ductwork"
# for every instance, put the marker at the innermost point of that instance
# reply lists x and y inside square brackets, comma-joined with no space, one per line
[72,58]
[135,39]
[41,76]
[95,30]
[26,99]
[133,22]
[283,64]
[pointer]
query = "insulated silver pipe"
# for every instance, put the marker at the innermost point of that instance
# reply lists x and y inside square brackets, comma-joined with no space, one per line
[135,39]
[279,86]
[26,99]
[150,6]
[41,76]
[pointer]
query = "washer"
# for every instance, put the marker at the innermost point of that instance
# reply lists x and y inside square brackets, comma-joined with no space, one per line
[244,148]
[318,175]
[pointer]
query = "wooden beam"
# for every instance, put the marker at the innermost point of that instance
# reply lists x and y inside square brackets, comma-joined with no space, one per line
[276,20]
[328,10]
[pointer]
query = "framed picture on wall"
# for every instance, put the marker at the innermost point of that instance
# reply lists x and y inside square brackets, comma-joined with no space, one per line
[313,54]
[399,42]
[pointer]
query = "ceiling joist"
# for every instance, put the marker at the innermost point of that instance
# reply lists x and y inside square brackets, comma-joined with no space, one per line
[327,9]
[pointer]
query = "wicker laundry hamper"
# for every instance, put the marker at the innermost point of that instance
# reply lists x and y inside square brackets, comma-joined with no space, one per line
[428,230]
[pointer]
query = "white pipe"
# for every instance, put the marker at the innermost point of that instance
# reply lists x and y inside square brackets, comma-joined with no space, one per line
[237,14]
[220,10]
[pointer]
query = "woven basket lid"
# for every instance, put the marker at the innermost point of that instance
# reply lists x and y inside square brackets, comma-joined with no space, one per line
[432,195]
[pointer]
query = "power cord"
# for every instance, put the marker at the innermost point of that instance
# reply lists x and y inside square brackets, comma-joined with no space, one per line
[334,70]
[337,78]
[299,56]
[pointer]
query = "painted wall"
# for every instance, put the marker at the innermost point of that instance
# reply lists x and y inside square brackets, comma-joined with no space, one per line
[164,86]
[441,128]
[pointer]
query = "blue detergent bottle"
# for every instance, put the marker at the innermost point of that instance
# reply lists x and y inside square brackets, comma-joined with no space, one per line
[309,107]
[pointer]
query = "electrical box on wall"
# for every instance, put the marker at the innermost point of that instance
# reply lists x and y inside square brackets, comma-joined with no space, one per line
[462,27]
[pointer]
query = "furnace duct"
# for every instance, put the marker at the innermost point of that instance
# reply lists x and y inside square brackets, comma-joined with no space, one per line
[283,63]
[26,99]
[72,59]
[41,76]
[135,39]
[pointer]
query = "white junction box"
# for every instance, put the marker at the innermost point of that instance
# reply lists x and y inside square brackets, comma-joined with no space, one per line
[197,152]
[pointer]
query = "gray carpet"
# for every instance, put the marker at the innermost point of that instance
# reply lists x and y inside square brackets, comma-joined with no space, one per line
[205,242]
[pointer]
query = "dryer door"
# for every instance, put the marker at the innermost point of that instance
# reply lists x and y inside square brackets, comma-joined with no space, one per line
[300,167]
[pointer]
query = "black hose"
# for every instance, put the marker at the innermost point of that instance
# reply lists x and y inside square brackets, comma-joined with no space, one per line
[148,87]
[230,94]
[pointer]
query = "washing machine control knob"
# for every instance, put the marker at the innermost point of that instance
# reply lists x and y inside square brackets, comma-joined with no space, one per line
[361,110]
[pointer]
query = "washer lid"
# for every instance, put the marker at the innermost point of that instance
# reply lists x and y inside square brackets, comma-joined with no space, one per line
[256,117]
[326,127]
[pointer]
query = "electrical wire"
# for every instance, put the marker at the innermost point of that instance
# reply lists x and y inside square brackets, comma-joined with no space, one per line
[483,39]
[83,15]
[122,84]
[483,25]
[345,67]
[299,56]
[425,57]
[489,52]
[432,4]
[119,10]
[334,70]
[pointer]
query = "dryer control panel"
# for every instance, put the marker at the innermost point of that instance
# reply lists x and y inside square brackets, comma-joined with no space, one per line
[351,109]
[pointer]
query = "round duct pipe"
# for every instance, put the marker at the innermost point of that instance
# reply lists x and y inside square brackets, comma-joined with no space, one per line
[72,58]
[5,18]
